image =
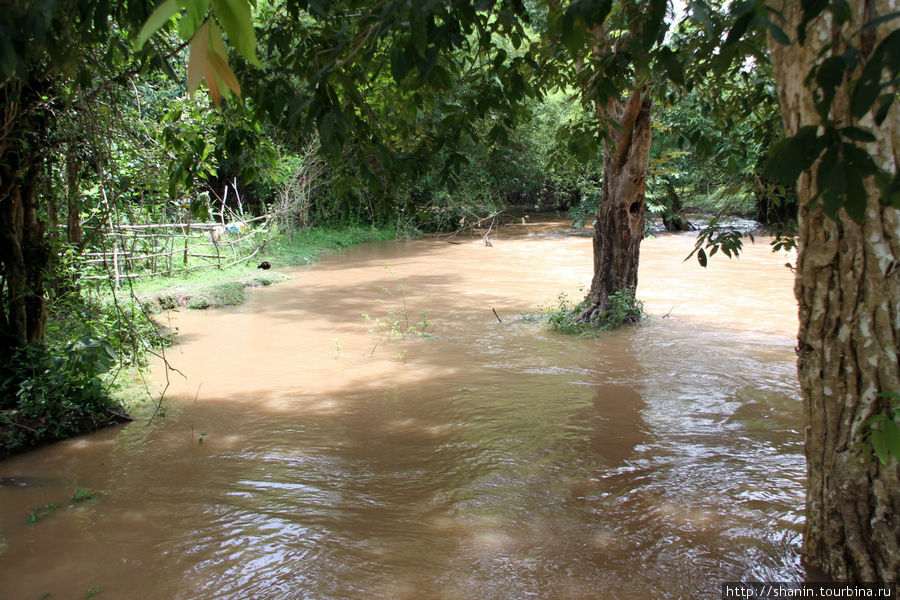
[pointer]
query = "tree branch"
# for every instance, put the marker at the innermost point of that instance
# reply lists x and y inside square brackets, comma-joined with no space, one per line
[626,123]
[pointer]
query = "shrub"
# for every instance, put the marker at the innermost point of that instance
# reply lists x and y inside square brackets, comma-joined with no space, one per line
[564,318]
[48,394]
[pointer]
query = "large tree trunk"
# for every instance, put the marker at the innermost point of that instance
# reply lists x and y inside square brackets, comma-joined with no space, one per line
[24,252]
[620,220]
[848,290]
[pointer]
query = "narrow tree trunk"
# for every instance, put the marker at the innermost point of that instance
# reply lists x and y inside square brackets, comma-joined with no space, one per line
[848,290]
[620,220]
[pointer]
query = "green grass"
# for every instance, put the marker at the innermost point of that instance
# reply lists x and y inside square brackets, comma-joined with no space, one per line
[213,287]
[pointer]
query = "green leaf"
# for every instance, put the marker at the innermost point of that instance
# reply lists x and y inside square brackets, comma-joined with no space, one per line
[857,133]
[400,63]
[791,156]
[418,28]
[842,11]
[327,133]
[160,15]
[831,179]
[777,32]
[878,21]
[739,28]
[654,21]
[882,112]
[811,9]
[891,437]
[879,446]
[868,87]
[194,17]
[829,75]
[237,21]
[860,159]
[672,65]
[856,199]
[701,257]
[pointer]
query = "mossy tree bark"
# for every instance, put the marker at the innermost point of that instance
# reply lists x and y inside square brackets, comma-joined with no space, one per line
[848,290]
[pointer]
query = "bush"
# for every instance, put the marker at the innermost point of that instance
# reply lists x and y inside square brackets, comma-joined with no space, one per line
[564,318]
[49,394]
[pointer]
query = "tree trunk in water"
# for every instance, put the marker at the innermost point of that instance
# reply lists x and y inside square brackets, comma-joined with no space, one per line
[848,290]
[620,220]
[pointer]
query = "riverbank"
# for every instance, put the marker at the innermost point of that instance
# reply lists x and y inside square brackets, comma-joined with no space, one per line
[214,288]
[88,371]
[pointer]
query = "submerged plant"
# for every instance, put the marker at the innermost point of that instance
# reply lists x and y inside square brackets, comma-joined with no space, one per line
[396,324]
[564,317]
[81,496]
[40,512]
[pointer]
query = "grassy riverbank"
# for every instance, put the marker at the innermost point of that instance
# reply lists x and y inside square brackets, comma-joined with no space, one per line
[213,287]
[78,380]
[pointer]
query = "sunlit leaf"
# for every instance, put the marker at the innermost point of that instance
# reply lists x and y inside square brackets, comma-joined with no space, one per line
[224,72]
[196,13]
[237,20]
[159,17]
[197,61]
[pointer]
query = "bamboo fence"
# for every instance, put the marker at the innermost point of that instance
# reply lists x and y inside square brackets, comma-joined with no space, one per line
[152,249]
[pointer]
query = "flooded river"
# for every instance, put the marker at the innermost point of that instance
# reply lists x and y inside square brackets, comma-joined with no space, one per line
[432,451]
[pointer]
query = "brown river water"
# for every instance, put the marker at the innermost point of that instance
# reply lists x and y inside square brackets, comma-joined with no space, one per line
[308,455]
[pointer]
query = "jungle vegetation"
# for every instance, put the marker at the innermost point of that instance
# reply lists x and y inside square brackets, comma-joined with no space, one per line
[423,116]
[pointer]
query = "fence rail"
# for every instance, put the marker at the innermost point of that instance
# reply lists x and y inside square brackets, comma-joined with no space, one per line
[138,250]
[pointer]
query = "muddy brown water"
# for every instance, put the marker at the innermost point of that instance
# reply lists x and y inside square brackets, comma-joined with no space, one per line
[487,459]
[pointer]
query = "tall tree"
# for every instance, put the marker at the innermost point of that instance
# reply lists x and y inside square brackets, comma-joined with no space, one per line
[616,53]
[837,85]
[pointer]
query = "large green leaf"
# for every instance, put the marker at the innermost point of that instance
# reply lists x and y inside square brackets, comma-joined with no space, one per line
[791,156]
[196,13]
[237,21]
[159,17]
[891,437]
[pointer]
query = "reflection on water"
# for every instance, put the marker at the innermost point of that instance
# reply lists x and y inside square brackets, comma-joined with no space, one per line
[309,456]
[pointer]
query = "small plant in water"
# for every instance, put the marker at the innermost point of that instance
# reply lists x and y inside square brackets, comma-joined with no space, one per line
[396,324]
[624,308]
[81,496]
[40,512]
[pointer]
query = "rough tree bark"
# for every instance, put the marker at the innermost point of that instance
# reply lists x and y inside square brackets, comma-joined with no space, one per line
[24,252]
[848,290]
[620,220]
